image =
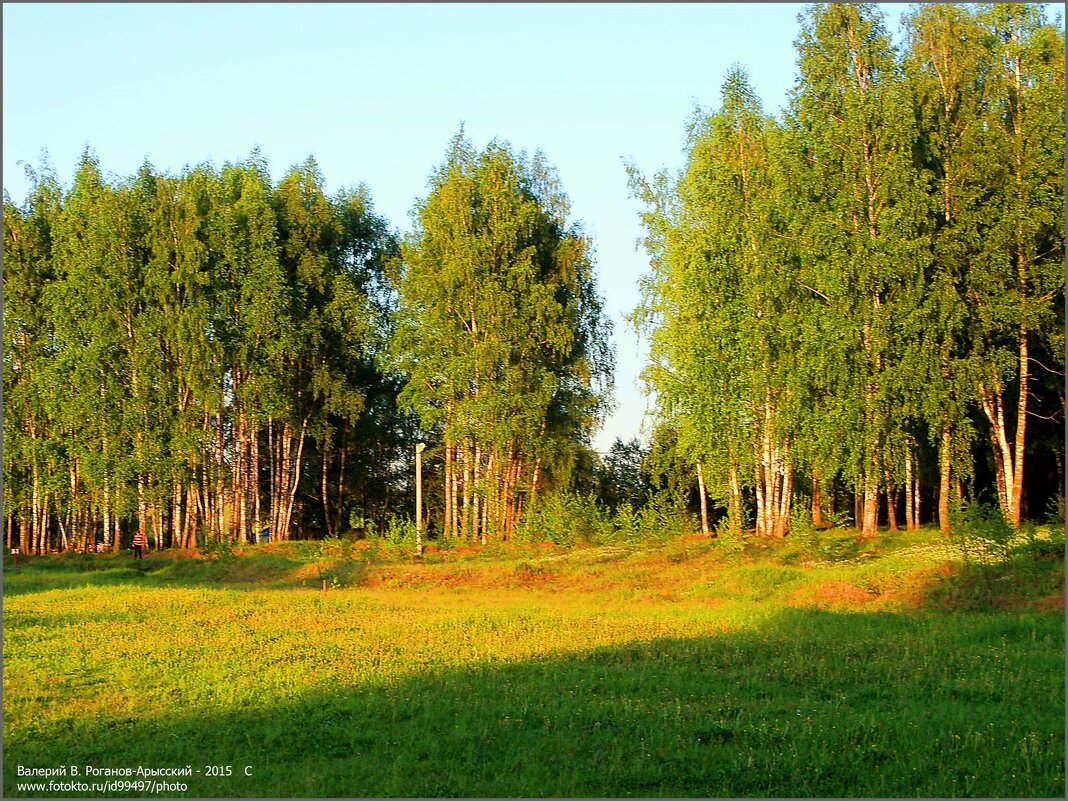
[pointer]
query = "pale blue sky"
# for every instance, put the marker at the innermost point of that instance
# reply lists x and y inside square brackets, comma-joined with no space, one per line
[374,92]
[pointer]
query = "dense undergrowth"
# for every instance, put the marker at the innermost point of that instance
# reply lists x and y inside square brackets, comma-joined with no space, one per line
[815,666]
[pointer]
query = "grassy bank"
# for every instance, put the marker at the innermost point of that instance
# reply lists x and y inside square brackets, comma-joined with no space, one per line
[822,668]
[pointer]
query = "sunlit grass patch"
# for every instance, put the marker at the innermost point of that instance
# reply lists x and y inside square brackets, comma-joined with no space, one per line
[589,672]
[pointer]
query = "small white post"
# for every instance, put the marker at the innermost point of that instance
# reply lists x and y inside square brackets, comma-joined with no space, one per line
[419,496]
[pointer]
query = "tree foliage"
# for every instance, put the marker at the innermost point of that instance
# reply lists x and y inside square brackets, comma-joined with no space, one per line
[499,332]
[182,351]
[837,293]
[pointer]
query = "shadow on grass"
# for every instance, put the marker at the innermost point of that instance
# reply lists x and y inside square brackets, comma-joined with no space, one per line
[811,704]
[1025,580]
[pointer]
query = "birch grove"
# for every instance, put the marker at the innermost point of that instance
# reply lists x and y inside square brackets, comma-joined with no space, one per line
[849,294]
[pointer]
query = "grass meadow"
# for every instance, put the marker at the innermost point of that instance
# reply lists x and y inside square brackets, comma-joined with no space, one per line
[818,668]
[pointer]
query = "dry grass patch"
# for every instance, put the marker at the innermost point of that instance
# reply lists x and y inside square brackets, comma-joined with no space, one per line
[832,594]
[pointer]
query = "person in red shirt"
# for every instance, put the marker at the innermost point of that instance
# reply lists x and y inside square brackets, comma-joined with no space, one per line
[139,544]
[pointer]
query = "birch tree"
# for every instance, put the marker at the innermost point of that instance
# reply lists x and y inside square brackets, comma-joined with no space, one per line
[864,255]
[719,307]
[1016,285]
[948,63]
[498,330]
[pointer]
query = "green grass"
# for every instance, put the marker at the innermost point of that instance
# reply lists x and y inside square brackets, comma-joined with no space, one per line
[815,669]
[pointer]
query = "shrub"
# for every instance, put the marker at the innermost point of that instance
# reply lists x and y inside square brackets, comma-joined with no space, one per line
[359,526]
[1042,542]
[803,533]
[730,540]
[330,549]
[816,543]
[564,518]
[1055,510]
[401,532]
[981,532]
[626,524]
[220,549]
[665,516]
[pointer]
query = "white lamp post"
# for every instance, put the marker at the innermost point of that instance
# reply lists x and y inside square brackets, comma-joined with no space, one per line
[419,496]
